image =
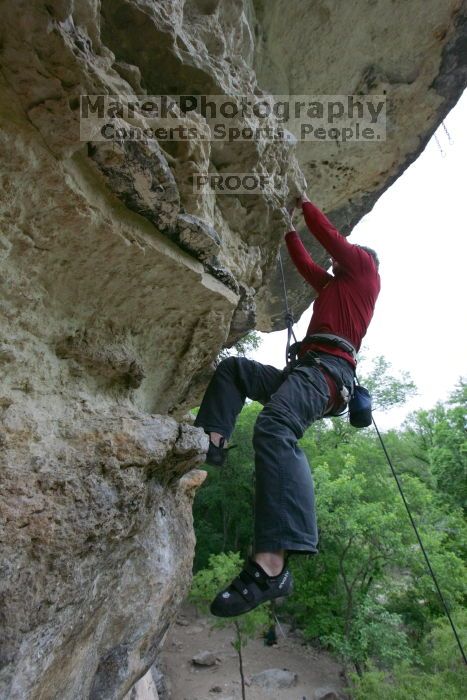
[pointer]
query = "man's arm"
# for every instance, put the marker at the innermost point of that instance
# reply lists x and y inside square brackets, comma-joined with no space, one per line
[313,273]
[346,254]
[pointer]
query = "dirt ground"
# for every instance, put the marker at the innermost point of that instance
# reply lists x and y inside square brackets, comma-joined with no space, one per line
[193,634]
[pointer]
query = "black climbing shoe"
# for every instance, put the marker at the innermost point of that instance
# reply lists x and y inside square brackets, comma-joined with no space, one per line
[216,456]
[251,588]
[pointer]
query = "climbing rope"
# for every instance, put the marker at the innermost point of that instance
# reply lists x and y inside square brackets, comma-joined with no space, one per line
[449,138]
[289,319]
[448,135]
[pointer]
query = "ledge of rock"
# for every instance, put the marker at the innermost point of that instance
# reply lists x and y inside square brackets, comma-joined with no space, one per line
[120,284]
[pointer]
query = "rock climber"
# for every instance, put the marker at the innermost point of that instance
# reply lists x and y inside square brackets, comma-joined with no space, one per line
[319,383]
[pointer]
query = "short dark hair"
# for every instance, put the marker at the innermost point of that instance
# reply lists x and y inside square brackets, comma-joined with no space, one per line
[372,253]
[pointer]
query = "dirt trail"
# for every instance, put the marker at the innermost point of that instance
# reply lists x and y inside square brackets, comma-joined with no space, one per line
[193,634]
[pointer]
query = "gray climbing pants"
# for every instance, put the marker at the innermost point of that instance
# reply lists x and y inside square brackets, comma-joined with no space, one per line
[285,515]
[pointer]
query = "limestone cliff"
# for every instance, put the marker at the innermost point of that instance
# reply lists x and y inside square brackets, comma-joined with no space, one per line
[119,285]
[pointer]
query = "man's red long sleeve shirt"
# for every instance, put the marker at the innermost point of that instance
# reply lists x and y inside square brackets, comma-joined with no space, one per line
[346,300]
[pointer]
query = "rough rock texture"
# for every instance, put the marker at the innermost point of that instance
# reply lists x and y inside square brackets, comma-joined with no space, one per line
[144,689]
[119,286]
[97,546]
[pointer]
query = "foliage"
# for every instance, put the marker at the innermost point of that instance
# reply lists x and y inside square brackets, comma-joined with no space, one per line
[243,347]
[387,389]
[440,434]
[375,633]
[369,556]
[440,672]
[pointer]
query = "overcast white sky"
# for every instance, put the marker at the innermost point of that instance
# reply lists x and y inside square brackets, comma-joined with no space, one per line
[418,228]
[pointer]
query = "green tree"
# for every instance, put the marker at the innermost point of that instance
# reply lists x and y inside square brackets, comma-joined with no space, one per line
[439,437]
[243,347]
[386,388]
[439,673]
[369,555]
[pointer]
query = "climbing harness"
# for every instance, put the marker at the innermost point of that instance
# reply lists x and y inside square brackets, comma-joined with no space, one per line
[331,339]
[361,412]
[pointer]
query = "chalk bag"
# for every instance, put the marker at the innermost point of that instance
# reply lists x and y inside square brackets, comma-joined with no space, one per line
[360,408]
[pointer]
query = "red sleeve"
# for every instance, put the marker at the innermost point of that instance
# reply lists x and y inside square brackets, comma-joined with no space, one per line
[313,273]
[346,254]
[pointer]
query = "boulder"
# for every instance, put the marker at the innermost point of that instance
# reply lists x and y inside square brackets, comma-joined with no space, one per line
[275,678]
[205,658]
[327,693]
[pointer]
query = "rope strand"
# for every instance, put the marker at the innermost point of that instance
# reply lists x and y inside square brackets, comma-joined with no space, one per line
[289,319]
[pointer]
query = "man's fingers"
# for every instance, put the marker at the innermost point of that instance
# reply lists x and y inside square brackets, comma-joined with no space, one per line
[303,198]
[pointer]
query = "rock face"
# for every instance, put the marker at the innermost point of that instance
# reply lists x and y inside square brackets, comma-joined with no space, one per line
[119,285]
[97,546]
[144,689]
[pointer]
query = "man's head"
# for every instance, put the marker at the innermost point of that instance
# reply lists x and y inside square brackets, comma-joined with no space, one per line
[336,268]
[372,253]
